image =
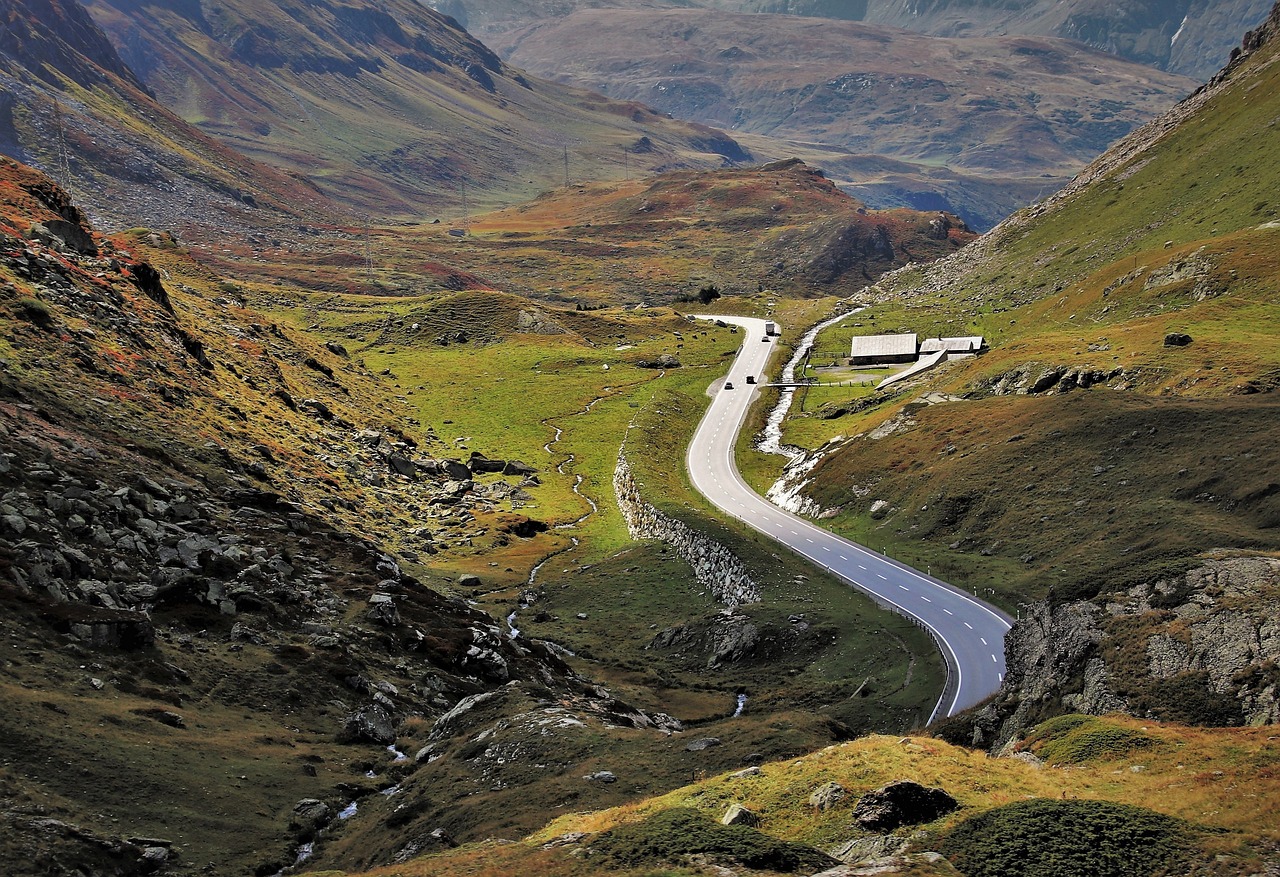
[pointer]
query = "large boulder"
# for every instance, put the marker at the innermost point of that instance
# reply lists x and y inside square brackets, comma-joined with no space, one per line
[373,724]
[64,235]
[826,796]
[739,815]
[310,815]
[456,470]
[480,463]
[901,803]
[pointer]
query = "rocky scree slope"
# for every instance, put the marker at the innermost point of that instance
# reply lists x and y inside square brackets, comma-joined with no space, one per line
[1128,400]
[212,526]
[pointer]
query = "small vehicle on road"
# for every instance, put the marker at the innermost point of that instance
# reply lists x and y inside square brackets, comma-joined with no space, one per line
[751,379]
[728,385]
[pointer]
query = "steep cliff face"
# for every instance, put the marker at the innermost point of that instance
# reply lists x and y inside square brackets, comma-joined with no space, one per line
[1198,648]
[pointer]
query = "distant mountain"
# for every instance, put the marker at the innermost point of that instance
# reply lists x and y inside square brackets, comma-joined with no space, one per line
[1188,37]
[387,107]
[990,106]
[70,104]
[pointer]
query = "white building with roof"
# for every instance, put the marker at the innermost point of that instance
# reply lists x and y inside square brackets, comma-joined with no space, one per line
[877,349]
[957,345]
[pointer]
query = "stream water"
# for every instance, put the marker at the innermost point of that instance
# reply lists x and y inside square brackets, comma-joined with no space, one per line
[593,508]
[772,442]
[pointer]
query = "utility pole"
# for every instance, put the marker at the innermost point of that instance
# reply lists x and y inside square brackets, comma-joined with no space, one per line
[466,212]
[626,163]
[64,163]
[566,167]
[368,253]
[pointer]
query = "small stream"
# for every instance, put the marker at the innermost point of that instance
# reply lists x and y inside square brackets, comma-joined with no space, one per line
[593,508]
[772,442]
[742,704]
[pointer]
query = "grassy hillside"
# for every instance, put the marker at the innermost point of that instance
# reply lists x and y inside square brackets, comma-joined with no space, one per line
[1117,438]
[1151,799]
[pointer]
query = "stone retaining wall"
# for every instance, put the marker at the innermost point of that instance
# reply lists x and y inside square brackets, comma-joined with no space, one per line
[716,567]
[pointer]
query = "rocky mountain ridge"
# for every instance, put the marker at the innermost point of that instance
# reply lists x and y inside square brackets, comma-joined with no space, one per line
[1025,109]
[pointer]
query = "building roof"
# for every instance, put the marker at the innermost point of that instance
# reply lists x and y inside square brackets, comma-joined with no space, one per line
[884,345]
[959,344]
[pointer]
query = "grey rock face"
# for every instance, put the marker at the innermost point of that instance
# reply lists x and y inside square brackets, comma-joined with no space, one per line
[310,814]
[1214,627]
[827,796]
[865,849]
[902,803]
[373,724]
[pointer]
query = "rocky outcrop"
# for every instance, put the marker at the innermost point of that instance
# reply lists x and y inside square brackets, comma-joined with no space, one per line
[1033,378]
[826,796]
[1197,648]
[901,803]
[739,815]
[664,361]
[716,568]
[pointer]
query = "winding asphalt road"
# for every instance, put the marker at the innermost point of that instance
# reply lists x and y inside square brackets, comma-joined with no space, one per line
[969,633]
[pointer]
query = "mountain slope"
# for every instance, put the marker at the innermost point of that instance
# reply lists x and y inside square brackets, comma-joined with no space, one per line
[1181,36]
[230,556]
[390,109]
[70,104]
[1150,800]
[1016,106]
[1114,452]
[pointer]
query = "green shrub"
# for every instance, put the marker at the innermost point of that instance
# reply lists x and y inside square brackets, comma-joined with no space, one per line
[1046,838]
[1090,744]
[1074,739]
[1189,700]
[672,834]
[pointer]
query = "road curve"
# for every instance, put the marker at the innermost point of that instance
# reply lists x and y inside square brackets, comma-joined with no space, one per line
[969,633]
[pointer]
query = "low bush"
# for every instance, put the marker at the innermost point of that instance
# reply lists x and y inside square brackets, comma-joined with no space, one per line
[1188,699]
[1046,838]
[1075,739]
[672,834]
